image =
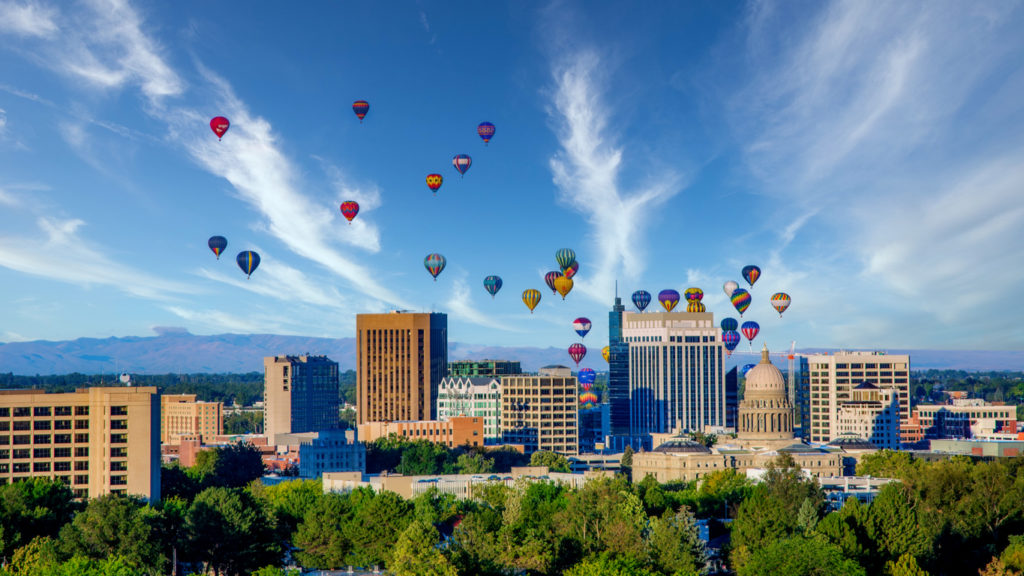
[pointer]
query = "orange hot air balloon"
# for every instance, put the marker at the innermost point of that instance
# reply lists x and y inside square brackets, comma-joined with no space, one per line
[531,298]
[563,285]
[605,352]
[434,182]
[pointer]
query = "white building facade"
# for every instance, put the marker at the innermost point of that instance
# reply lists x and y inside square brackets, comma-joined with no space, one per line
[478,397]
[832,378]
[873,414]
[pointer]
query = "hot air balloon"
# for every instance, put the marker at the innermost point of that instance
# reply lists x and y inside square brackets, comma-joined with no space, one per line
[729,324]
[781,301]
[531,298]
[728,287]
[577,351]
[741,300]
[492,284]
[586,376]
[248,261]
[565,257]
[581,326]
[349,209]
[693,300]
[462,162]
[361,107]
[746,368]
[641,298]
[668,298]
[750,329]
[549,279]
[563,286]
[434,182]
[219,125]
[217,244]
[605,352]
[751,274]
[571,270]
[731,339]
[434,264]
[486,131]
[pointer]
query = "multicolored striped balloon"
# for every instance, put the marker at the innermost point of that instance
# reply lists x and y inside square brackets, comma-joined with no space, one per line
[729,324]
[549,279]
[349,209]
[740,300]
[486,131]
[492,284]
[434,263]
[577,351]
[668,298]
[531,298]
[360,107]
[731,339]
[248,261]
[641,298]
[217,244]
[781,301]
[462,162]
[751,329]
[565,257]
[751,273]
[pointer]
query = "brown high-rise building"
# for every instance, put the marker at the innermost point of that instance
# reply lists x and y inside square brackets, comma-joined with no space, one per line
[402,357]
[182,415]
[98,440]
[300,394]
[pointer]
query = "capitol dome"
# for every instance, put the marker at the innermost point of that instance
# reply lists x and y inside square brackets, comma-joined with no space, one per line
[765,414]
[765,377]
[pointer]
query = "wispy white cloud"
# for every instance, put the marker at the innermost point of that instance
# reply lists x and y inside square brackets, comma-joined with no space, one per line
[27,19]
[586,172]
[361,232]
[62,254]
[276,279]
[218,320]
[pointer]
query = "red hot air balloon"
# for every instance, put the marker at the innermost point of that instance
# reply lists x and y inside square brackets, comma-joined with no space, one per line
[572,269]
[434,182]
[361,107]
[219,125]
[577,351]
[349,209]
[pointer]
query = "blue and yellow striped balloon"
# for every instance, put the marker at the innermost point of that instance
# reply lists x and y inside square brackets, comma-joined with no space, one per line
[248,261]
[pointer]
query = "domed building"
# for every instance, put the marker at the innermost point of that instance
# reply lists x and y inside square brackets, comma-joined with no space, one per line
[765,413]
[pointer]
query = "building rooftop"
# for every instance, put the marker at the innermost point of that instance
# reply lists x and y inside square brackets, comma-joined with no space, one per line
[682,446]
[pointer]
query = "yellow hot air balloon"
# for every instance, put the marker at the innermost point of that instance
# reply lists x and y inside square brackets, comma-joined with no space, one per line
[563,285]
[605,351]
[531,298]
[695,306]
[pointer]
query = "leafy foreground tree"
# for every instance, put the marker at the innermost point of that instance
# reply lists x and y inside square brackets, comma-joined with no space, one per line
[36,507]
[416,553]
[115,525]
[800,556]
[232,532]
[609,565]
[554,462]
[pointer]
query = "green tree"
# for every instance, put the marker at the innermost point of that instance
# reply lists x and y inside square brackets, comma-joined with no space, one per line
[675,545]
[247,422]
[231,466]
[232,531]
[610,565]
[275,571]
[1013,554]
[799,556]
[627,462]
[895,525]
[38,555]
[554,462]
[33,508]
[807,517]
[416,553]
[888,464]
[422,457]
[847,529]
[116,525]
[320,537]
[290,500]
[474,547]
[375,522]
[474,463]
[605,515]
[906,565]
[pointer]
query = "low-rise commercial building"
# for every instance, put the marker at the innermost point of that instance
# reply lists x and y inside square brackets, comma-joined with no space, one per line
[326,451]
[456,431]
[182,415]
[479,397]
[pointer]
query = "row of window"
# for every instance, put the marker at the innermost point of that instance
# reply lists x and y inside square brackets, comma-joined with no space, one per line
[44,411]
[24,439]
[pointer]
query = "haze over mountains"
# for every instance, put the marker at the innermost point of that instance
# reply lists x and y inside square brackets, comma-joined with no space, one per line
[175,350]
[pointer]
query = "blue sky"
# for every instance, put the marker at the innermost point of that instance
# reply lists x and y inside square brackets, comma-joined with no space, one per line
[869,157]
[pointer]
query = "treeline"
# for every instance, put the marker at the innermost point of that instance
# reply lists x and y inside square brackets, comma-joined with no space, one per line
[993,386]
[244,389]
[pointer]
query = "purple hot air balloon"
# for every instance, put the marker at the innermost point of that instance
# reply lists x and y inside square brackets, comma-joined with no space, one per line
[668,298]
[581,326]
[550,278]
[731,339]
[641,298]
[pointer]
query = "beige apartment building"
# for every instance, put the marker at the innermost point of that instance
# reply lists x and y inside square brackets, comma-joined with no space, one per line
[832,378]
[300,394]
[540,411]
[181,415]
[402,357]
[98,440]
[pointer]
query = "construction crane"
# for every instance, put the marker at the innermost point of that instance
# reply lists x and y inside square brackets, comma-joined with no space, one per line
[792,385]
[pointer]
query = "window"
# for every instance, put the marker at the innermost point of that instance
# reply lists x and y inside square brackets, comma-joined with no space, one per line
[22,454]
[62,411]
[22,439]
[81,479]
[62,466]
[118,452]
[81,410]
[62,438]
[23,425]
[42,411]
[5,412]
[62,452]
[21,467]
[41,467]
[118,410]
[118,466]
[118,424]
[41,453]
[22,412]
[41,425]
[5,426]
[82,452]
[5,468]
[41,439]
[119,438]
[5,440]
[62,424]
[5,454]
[82,465]
[81,424]
[81,438]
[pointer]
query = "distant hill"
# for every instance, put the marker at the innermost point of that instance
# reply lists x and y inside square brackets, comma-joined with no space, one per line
[174,350]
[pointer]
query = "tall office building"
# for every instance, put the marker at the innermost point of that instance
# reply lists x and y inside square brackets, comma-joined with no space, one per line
[300,394]
[98,440]
[832,378]
[402,357]
[802,396]
[618,372]
[181,415]
[732,398]
[676,372]
[484,368]
[540,411]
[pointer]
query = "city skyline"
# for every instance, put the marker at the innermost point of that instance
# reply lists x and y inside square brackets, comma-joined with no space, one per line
[868,159]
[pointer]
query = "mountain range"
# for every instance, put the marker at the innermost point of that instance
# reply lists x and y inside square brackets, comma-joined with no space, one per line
[175,350]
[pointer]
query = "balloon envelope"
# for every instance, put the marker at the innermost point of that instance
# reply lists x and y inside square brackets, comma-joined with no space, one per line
[217,244]
[751,274]
[605,352]
[729,286]
[694,294]
[549,279]
[492,284]
[731,339]
[434,263]
[220,126]
[729,324]
[531,298]
[641,298]
[248,261]
[571,270]
[750,329]
[781,301]
[361,107]
[577,351]
[587,376]
[462,162]
[668,298]
[565,257]
[349,209]
[486,131]
[563,285]
[740,300]
[581,326]
[746,368]
[434,182]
